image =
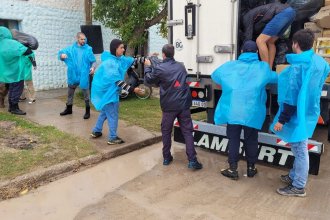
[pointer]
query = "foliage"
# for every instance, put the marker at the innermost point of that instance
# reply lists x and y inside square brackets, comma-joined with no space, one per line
[130,18]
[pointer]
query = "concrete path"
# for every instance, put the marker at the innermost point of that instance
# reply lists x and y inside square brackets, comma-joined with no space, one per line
[46,111]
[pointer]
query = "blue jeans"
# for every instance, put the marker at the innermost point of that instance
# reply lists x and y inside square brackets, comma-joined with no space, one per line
[110,112]
[299,172]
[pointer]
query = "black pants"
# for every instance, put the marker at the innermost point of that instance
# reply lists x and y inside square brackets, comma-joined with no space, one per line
[15,91]
[186,127]
[250,143]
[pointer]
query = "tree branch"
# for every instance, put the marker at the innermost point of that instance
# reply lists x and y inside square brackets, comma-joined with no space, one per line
[157,19]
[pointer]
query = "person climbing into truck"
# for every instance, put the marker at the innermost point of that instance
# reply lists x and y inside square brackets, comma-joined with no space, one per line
[242,105]
[267,23]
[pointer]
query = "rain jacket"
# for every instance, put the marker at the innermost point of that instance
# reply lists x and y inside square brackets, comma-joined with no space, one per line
[243,98]
[79,62]
[107,74]
[300,85]
[171,77]
[12,61]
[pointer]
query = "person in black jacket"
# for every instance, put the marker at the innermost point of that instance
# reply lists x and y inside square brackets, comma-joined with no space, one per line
[268,22]
[175,102]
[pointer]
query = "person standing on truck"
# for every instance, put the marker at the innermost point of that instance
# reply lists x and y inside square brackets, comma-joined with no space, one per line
[175,102]
[268,22]
[242,105]
[299,92]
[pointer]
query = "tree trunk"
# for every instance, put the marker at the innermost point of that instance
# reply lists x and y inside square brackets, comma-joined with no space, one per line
[88,12]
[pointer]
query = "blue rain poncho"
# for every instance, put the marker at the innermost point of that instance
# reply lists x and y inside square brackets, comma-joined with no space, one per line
[12,60]
[243,98]
[104,88]
[300,85]
[79,62]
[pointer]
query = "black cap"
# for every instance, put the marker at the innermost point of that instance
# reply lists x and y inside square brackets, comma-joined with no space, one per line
[249,46]
[114,45]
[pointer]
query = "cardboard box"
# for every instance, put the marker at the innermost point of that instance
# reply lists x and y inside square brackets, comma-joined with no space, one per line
[314,28]
[281,67]
[326,33]
[322,18]
[326,2]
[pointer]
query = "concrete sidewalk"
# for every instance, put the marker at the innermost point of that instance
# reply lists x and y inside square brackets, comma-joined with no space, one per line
[46,111]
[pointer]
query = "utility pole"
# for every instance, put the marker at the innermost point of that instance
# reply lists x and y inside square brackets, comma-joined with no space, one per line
[88,12]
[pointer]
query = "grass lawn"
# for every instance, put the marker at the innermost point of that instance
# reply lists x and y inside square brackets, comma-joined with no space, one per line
[143,113]
[46,146]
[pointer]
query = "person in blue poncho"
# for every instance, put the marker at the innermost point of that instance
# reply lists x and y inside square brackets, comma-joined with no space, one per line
[242,105]
[299,92]
[107,83]
[81,63]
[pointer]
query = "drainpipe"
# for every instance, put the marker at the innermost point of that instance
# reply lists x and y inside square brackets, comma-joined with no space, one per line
[88,12]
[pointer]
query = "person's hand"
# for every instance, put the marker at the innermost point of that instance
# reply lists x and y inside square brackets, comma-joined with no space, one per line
[91,71]
[147,62]
[64,56]
[278,126]
[139,91]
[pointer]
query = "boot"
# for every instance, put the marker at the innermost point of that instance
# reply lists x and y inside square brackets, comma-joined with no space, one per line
[87,113]
[67,111]
[16,111]
[3,93]
[2,102]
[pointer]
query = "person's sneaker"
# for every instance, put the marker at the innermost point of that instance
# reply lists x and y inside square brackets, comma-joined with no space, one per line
[251,171]
[167,162]
[232,174]
[194,164]
[116,140]
[96,134]
[22,99]
[291,191]
[286,179]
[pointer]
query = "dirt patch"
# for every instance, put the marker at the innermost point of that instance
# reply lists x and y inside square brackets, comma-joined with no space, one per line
[11,137]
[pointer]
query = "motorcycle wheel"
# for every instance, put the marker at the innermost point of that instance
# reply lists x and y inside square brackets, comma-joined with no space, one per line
[147,92]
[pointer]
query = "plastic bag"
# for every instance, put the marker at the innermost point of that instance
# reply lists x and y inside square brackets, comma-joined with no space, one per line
[25,39]
[305,8]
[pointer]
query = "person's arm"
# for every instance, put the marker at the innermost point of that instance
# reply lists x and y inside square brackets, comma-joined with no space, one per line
[151,73]
[128,88]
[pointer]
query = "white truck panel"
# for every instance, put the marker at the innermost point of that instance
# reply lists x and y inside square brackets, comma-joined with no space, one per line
[216,24]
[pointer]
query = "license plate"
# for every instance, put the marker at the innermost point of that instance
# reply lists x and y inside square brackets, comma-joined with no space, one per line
[197,103]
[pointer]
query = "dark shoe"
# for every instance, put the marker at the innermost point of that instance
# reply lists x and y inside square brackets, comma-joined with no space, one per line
[291,191]
[16,111]
[96,134]
[22,99]
[286,179]
[230,173]
[87,113]
[117,140]
[194,164]
[67,111]
[251,171]
[167,162]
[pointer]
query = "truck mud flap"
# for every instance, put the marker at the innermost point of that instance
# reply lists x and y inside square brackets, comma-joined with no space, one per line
[272,150]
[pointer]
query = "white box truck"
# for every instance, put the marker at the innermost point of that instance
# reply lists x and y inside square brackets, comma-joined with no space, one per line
[205,35]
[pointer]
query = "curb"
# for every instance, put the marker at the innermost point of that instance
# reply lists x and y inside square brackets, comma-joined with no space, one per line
[12,188]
